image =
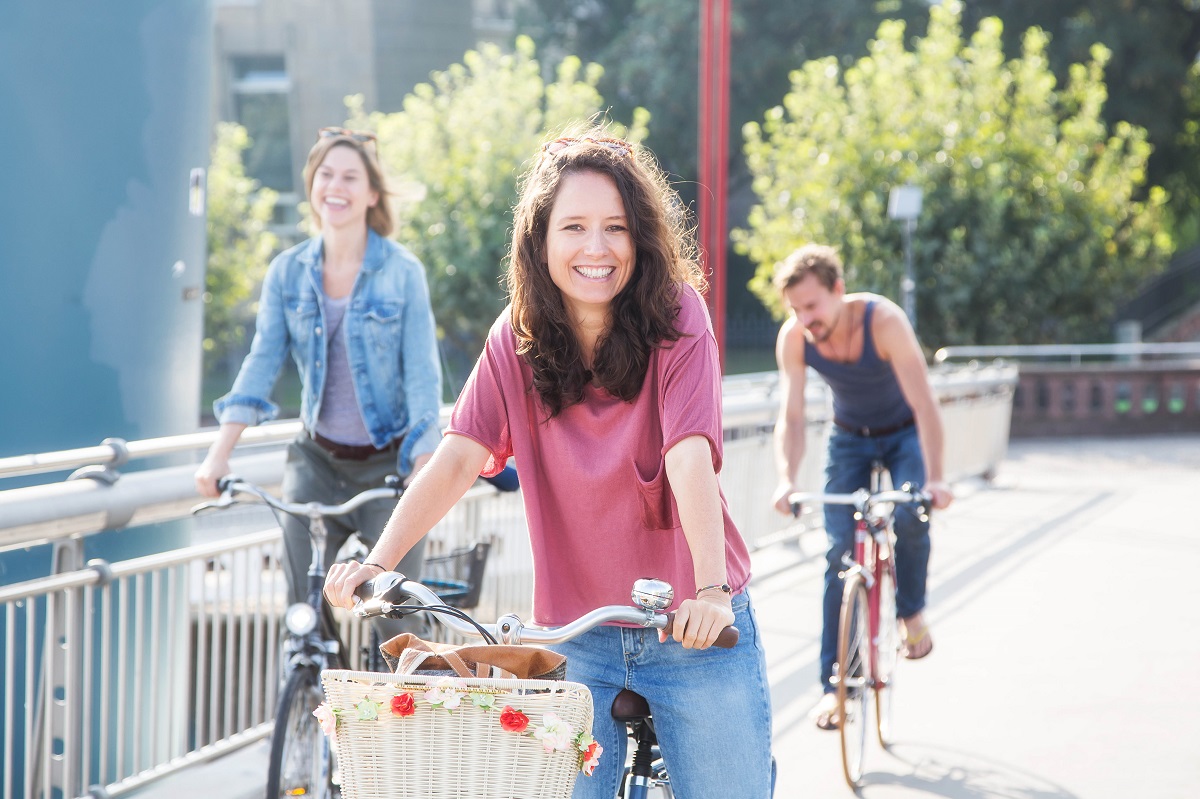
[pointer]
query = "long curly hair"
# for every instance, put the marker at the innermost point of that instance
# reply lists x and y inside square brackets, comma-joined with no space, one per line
[642,316]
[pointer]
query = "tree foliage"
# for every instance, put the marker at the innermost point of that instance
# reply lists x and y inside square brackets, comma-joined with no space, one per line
[1153,46]
[454,154]
[240,244]
[650,50]
[1030,231]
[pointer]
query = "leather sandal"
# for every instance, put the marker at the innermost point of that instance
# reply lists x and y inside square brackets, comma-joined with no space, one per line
[918,645]
[826,712]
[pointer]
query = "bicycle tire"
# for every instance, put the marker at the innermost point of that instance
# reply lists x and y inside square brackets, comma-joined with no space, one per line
[301,761]
[887,653]
[853,664]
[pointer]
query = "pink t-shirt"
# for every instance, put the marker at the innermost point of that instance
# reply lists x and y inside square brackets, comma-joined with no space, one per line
[601,513]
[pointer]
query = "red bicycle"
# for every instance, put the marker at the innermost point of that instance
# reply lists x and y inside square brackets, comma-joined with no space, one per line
[868,630]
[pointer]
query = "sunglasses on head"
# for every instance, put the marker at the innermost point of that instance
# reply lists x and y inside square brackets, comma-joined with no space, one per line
[360,136]
[616,145]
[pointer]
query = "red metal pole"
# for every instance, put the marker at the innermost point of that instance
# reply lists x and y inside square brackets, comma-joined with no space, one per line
[711,156]
[720,228]
[704,148]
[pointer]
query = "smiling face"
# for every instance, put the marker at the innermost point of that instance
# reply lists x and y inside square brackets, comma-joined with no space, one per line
[341,193]
[816,306]
[589,248]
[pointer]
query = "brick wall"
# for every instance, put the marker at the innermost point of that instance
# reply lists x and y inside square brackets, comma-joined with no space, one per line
[1107,399]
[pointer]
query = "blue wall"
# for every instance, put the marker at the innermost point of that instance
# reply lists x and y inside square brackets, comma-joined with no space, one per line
[104,112]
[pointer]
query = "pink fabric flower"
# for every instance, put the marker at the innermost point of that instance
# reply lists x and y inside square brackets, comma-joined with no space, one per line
[555,734]
[446,693]
[326,717]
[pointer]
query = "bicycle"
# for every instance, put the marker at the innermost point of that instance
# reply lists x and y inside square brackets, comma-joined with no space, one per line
[391,593]
[301,761]
[868,629]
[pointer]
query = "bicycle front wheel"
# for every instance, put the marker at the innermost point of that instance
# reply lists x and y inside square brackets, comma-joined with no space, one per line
[887,653]
[301,760]
[853,673]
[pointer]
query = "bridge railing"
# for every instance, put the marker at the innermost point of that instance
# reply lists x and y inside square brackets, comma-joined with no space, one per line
[117,674]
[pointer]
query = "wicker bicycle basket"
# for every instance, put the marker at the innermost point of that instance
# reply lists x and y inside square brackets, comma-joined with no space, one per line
[416,747]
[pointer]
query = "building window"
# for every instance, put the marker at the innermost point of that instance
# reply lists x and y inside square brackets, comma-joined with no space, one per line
[260,104]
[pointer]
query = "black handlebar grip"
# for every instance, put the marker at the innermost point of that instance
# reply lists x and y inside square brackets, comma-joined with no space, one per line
[727,639]
[795,510]
[366,590]
[224,482]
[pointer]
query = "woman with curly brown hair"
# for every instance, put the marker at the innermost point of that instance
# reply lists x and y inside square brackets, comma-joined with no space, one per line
[602,379]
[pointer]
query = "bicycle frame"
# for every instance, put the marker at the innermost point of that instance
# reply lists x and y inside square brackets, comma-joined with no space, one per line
[301,762]
[872,555]
[869,568]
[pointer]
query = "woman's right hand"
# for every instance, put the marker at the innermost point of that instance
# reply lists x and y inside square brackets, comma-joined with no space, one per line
[343,578]
[210,471]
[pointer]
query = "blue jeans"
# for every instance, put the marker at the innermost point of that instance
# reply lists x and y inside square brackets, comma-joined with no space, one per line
[711,708]
[848,469]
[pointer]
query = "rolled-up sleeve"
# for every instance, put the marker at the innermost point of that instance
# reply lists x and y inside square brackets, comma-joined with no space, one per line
[248,402]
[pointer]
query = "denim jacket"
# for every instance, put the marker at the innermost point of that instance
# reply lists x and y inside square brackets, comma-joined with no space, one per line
[391,340]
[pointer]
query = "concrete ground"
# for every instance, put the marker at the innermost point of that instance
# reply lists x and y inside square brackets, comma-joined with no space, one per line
[1066,626]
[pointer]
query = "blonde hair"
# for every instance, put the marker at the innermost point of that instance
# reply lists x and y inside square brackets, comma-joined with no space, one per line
[819,260]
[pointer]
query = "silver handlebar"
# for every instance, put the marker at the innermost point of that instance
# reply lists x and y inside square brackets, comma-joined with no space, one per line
[651,595]
[231,486]
[862,498]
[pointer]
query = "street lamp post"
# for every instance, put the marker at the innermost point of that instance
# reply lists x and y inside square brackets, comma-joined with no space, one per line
[904,204]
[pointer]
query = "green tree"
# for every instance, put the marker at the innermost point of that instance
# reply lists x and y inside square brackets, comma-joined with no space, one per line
[1030,230]
[1154,46]
[650,49]
[240,245]
[454,154]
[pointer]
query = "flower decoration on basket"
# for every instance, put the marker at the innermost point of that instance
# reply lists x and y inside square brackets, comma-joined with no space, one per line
[554,733]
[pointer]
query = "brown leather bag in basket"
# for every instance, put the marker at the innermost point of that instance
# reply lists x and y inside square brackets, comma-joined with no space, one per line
[408,654]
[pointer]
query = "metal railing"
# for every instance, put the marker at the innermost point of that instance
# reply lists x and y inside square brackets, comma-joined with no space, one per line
[1074,352]
[117,674]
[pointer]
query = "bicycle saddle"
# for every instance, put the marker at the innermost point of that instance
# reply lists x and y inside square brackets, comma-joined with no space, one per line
[630,706]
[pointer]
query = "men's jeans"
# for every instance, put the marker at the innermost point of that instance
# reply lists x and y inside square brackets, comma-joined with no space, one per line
[848,469]
[711,708]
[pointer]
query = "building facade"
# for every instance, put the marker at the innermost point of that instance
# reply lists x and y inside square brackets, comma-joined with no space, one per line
[283,68]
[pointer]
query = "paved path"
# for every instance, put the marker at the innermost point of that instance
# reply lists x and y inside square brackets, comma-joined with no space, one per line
[1066,633]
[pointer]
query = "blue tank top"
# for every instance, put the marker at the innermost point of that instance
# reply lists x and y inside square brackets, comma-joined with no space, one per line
[865,393]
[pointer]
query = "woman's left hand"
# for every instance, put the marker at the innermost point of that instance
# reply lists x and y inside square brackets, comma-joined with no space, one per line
[698,622]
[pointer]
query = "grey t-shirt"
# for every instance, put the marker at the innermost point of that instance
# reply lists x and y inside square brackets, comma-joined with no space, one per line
[340,419]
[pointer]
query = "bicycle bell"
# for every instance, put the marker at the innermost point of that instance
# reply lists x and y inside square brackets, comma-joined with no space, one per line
[653,594]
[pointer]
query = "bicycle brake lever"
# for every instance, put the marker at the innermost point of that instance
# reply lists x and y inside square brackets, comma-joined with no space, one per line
[224,501]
